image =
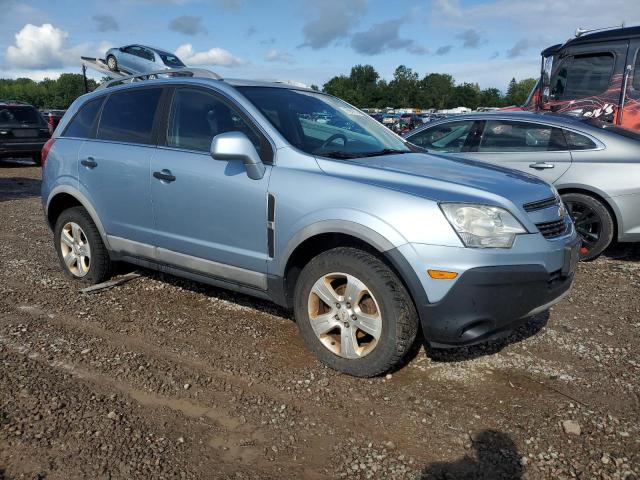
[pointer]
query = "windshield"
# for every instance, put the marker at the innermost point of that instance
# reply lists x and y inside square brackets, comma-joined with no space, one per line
[171,60]
[323,125]
[13,115]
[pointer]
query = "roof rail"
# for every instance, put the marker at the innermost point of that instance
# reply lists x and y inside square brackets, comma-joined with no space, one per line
[175,72]
[582,31]
[13,102]
[293,83]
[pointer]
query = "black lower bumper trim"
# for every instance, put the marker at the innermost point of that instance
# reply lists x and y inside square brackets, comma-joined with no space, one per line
[490,301]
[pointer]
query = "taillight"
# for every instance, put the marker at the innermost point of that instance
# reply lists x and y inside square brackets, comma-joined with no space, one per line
[50,122]
[45,150]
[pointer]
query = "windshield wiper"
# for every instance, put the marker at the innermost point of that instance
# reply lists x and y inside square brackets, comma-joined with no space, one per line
[384,151]
[339,154]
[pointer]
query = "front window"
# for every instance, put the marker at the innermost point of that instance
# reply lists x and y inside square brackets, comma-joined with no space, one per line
[447,137]
[323,125]
[581,76]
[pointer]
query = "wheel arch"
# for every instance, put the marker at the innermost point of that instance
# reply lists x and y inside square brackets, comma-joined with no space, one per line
[65,197]
[309,246]
[610,206]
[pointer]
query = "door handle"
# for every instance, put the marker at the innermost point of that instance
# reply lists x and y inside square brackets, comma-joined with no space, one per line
[541,165]
[89,162]
[164,175]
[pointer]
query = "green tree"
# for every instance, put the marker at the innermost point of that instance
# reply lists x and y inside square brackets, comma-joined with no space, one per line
[404,87]
[436,90]
[517,92]
[48,93]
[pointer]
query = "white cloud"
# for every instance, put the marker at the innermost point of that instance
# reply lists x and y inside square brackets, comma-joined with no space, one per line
[274,55]
[214,56]
[37,47]
[332,20]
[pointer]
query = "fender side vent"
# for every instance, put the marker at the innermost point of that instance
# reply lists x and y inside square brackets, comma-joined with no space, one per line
[271,224]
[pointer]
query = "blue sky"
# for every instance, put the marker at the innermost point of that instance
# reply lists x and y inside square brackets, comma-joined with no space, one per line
[483,41]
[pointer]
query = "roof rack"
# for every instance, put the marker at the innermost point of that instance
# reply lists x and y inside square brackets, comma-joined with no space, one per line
[582,31]
[176,72]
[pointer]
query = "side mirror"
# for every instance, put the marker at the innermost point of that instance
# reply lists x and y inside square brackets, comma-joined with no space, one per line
[237,146]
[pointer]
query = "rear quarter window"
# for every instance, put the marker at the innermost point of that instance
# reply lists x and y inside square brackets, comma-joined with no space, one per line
[575,141]
[128,116]
[81,126]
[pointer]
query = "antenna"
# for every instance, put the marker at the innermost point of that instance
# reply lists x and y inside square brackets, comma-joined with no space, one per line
[582,31]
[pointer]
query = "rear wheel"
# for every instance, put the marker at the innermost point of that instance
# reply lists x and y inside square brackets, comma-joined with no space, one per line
[354,313]
[112,63]
[82,254]
[593,223]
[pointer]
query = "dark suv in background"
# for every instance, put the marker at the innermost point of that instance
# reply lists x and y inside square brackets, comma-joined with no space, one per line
[23,131]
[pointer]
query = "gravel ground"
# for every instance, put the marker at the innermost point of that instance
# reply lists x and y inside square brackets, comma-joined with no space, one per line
[165,378]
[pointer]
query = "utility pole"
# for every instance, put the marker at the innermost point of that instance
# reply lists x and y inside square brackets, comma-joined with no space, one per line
[84,75]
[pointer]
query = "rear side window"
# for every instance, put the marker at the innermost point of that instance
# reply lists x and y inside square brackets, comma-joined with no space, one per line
[198,116]
[575,141]
[82,124]
[19,115]
[128,116]
[509,136]
[447,137]
[582,76]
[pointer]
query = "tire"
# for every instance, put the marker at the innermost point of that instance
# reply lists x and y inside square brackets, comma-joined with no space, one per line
[95,270]
[37,159]
[593,222]
[386,300]
[112,63]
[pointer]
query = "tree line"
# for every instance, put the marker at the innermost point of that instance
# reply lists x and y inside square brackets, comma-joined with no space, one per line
[364,88]
[58,93]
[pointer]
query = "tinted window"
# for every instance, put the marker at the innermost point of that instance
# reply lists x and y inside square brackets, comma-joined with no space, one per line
[575,141]
[82,124]
[19,115]
[581,76]
[447,137]
[322,125]
[171,60]
[509,136]
[197,116]
[636,72]
[128,116]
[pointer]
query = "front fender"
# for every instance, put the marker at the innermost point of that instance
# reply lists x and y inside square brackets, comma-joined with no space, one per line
[362,226]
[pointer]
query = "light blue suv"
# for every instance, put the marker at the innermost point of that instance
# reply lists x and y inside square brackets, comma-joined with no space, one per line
[367,238]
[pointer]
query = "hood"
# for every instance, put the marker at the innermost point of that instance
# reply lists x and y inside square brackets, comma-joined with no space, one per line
[443,178]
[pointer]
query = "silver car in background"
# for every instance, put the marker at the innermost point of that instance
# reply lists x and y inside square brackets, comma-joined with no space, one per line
[594,165]
[141,59]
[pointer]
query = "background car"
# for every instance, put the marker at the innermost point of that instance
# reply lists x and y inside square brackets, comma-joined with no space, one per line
[52,117]
[23,131]
[140,59]
[594,165]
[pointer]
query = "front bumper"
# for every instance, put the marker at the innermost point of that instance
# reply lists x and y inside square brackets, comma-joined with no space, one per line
[490,299]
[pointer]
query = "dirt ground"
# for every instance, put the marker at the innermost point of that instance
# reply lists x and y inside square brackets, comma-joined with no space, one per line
[166,378]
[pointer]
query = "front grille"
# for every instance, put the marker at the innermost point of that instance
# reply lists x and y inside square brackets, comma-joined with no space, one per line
[540,204]
[553,229]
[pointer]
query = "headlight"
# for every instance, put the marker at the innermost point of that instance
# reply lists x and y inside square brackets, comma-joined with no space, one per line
[482,226]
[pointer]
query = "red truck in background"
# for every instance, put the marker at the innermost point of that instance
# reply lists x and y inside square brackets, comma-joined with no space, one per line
[596,74]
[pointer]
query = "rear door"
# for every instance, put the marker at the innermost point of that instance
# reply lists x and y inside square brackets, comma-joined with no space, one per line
[114,167]
[534,148]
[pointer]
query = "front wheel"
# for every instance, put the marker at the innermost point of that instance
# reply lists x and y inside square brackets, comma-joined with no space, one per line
[354,313]
[82,254]
[592,221]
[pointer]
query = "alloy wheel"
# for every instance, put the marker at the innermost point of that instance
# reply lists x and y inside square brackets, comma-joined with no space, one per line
[588,224]
[75,248]
[344,315]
